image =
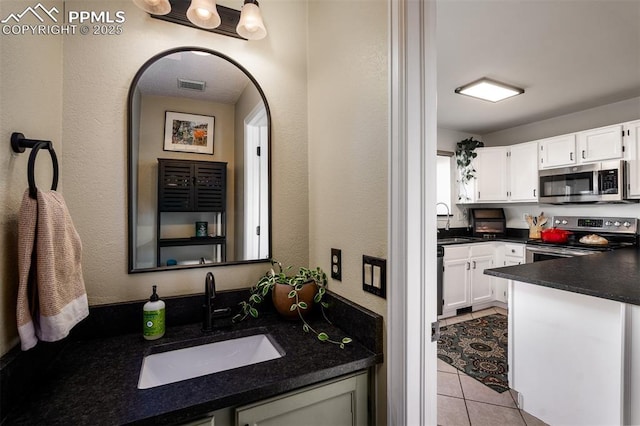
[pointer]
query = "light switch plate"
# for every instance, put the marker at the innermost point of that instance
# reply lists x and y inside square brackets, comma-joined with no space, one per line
[374,275]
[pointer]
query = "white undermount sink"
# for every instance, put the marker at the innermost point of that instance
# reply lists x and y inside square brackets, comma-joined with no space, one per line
[181,364]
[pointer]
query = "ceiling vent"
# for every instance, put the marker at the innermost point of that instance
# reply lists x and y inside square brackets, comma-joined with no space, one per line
[191,84]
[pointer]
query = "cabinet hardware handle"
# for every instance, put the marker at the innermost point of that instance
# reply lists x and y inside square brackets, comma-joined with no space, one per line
[583,154]
[468,266]
[474,264]
[571,156]
[478,195]
[534,192]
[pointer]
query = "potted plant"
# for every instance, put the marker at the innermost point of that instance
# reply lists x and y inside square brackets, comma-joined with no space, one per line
[293,297]
[465,153]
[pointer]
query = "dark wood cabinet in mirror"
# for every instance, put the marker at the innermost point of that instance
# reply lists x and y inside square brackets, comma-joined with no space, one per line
[202,111]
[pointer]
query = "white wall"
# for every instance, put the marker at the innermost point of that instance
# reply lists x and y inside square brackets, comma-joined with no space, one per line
[614,113]
[84,103]
[348,143]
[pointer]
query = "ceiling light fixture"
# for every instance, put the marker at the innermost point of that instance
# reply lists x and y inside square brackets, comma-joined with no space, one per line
[203,13]
[489,90]
[208,16]
[155,7]
[251,26]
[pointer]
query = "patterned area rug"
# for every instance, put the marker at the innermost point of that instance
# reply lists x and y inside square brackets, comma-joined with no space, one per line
[479,348]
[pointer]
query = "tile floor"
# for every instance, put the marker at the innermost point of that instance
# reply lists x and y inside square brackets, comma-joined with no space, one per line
[462,400]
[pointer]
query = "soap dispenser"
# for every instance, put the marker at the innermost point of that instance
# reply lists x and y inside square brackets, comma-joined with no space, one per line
[153,317]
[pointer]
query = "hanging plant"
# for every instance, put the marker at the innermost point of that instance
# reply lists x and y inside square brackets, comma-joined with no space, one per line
[465,153]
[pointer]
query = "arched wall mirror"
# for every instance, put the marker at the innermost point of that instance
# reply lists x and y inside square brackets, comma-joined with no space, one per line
[199,163]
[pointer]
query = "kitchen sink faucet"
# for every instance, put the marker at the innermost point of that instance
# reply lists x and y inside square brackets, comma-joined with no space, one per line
[446,226]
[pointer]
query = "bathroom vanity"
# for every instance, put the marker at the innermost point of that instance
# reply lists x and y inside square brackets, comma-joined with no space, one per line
[95,380]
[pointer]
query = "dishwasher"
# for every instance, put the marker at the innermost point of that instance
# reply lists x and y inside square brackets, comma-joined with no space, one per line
[440,269]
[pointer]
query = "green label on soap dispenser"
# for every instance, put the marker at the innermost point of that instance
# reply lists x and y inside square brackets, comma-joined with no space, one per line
[153,323]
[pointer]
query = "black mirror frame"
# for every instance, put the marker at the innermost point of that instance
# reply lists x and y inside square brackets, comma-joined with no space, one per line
[131,167]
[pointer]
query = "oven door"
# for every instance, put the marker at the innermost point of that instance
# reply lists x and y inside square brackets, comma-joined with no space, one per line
[538,253]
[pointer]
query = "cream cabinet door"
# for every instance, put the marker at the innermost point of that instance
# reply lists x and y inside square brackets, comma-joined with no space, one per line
[491,173]
[523,172]
[603,143]
[632,144]
[557,151]
[341,403]
[481,284]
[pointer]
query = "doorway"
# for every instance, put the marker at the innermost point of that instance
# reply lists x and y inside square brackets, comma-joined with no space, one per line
[256,178]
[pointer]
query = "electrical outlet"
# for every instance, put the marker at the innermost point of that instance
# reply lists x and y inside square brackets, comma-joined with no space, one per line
[336,264]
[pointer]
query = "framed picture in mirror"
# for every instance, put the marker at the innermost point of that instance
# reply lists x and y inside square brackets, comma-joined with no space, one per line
[188,132]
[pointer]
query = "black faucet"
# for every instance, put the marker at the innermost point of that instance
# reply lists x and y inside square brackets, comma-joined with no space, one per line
[208,312]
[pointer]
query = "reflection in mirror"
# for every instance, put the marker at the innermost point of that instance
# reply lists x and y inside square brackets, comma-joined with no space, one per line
[443,179]
[199,163]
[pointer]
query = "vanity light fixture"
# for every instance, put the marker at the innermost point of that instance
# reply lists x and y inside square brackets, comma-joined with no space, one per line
[489,90]
[208,16]
[155,7]
[204,13]
[251,26]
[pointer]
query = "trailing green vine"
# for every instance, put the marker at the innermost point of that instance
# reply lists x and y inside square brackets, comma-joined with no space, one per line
[465,153]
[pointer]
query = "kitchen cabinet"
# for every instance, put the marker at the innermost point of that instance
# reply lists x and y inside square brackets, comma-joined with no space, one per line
[603,143]
[508,254]
[523,172]
[464,283]
[557,151]
[507,173]
[632,144]
[588,347]
[491,174]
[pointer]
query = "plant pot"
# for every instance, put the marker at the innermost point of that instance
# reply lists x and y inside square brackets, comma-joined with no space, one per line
[282,302]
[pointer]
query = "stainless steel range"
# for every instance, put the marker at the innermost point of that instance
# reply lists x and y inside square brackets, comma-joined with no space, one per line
[605,233]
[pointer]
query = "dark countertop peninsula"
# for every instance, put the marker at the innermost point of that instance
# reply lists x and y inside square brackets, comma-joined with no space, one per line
[94,381]
[613,275]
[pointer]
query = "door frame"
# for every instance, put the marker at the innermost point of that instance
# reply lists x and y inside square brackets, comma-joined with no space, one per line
[412,367]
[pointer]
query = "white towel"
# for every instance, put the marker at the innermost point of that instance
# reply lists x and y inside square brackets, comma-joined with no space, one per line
[51,292]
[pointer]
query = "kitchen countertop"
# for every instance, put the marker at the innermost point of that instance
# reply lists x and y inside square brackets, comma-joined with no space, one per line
[447,241]
[94,381]
[613,275]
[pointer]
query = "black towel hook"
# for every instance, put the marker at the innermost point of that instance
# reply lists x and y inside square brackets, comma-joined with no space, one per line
[19,143]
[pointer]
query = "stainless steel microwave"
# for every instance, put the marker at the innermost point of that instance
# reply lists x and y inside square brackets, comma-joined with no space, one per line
[587,183]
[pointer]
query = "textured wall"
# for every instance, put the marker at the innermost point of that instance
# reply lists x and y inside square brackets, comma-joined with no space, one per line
[30,103]
[348,144]
[84,103]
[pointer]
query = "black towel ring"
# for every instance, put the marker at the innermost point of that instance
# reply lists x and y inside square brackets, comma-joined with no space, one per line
[19,143]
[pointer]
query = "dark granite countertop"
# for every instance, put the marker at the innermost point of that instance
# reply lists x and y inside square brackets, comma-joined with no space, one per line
[613,275]
[94,381]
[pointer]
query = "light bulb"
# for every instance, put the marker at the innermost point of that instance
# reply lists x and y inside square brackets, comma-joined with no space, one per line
[154,7]
[203,13]
[251,26]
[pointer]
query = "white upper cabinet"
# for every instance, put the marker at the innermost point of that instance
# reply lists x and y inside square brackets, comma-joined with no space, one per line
[632,153]
[507,173]
[557,151]
[523,172]
[491,173]
[603,143]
